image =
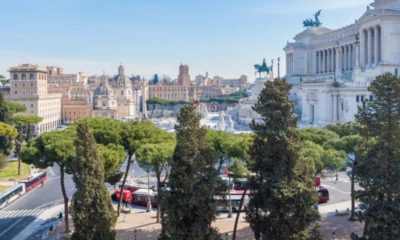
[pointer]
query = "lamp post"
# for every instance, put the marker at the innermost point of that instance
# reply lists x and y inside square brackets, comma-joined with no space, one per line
[353,204]
[148,193]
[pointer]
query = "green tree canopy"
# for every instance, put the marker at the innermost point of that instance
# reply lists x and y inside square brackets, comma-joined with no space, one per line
[51,148]
[282,190]
[378,160]
[93,215]
[345,129]
[7,130]
[312,154]
[318,135]
[189,205]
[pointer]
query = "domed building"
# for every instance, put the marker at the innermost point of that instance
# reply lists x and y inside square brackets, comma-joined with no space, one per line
[124,94]
[105,103]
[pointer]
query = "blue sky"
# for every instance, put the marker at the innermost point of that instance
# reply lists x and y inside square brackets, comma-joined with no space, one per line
[223,37]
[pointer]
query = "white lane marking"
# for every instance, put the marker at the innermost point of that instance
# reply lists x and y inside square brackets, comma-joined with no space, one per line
[51,171]
[336,189]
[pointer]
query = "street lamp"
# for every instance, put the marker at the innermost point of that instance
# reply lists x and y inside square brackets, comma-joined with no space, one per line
[353,204]
[148,193]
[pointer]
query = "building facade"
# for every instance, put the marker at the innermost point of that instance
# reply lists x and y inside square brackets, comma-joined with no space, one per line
[76,103]
[184,77]
[330,70]
[169,92]
[28,86]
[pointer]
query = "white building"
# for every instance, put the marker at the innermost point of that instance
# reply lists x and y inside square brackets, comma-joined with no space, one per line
[331,69]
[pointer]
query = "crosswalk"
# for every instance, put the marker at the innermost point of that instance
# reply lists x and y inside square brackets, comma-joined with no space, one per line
[21,213]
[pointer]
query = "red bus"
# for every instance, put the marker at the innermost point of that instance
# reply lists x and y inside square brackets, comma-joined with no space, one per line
[34,181]
[140,197]
[126,195]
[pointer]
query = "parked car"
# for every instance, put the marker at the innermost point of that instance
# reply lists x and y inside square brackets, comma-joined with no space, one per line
[323,195]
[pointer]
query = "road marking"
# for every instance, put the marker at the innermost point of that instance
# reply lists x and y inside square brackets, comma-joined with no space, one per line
[50,169]
[336,189]
[20,214]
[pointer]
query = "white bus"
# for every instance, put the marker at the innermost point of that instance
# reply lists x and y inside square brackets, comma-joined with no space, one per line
[11,194]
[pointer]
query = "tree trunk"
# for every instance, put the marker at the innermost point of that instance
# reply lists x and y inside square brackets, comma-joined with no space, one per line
[158,175]
[128,166]
[18,151]
[353,204]
[238,214]
[366,229]
[65,196]
[221,161]
[19,164]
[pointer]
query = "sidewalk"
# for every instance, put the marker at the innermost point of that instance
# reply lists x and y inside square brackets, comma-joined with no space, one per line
[143,225]
[39,221]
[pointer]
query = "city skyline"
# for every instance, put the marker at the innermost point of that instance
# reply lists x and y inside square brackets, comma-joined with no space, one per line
[148,38]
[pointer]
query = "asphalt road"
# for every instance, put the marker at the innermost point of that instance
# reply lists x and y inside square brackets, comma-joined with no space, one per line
[19,214]
[339,191]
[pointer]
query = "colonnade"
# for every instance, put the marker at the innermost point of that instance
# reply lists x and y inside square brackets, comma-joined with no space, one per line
[289,63]
[371,45]
[331,59]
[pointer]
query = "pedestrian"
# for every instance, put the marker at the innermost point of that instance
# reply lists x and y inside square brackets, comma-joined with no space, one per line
[60,215]
[42,184]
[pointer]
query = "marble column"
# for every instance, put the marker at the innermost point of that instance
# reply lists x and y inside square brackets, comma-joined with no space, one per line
[365,46]
[370,47]
[337,63]
[376,45]
[321,57]
[356,69]
[326,61]
[317,61]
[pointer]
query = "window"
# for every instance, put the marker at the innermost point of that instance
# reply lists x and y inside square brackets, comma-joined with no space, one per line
[362,98]
[23,84]
[23,76]
[32,105]
[15,85]
[31,84]
[342,107]
[31,76]
[15,76]
[122,93]
[16,92]
[371,98]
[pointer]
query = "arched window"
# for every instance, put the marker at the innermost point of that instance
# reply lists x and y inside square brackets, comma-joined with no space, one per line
[15,76]
[23,76]
[31,76]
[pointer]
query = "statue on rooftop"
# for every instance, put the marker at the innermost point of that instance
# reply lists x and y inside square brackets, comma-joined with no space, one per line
[263,68]
[309,23]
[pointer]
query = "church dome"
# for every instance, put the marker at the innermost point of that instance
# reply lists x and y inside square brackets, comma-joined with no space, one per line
[103,89]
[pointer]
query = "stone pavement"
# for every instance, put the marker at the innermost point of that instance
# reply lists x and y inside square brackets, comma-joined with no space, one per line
[147,229]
